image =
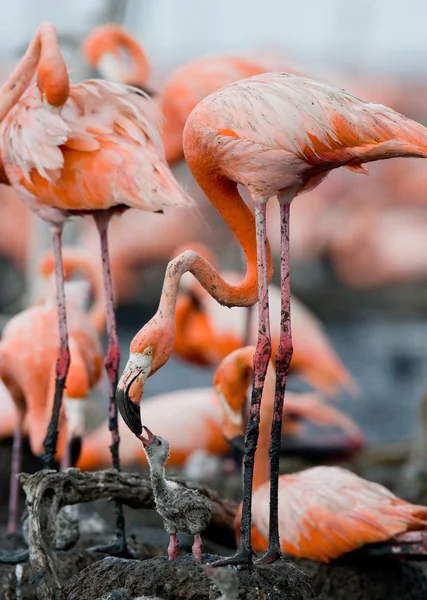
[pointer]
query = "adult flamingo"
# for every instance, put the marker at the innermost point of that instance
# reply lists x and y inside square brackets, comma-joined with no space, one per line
[103,155]
[276,135]
[33,336]
[324,512]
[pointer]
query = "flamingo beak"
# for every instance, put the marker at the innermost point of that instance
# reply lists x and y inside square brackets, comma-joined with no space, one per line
[146,440]
[128,397]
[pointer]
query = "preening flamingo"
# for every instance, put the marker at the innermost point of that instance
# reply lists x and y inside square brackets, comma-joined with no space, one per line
[206,331]
[102,155]
[324,512]
[277,135]
[32,335]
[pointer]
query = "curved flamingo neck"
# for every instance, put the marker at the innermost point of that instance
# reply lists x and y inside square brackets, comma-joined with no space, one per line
[44,56]
[139,70]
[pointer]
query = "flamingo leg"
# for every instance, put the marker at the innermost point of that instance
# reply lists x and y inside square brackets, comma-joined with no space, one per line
[63,361]
[112,363]
[283,359]
[173,546]
[14,483]
[197,547]
[261,361]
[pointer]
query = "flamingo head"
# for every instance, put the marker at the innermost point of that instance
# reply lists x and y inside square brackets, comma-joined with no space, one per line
[150,349]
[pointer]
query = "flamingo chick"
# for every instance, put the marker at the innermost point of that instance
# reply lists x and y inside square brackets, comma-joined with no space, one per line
[181,509]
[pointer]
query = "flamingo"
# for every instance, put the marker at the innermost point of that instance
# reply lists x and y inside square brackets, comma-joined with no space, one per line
[103,49]
[206,331]
[270,135]
[324,512]
[102,155]
[33,336]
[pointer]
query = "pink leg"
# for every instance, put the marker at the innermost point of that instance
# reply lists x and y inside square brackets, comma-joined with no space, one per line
[14,483]
[112,362]
[173,546]
[63,362]
[261,360]
[197,547]
[283,359]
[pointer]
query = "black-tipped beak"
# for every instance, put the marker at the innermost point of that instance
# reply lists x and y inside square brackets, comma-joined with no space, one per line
[130,386]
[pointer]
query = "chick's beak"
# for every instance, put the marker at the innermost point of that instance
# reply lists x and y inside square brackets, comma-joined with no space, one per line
[128,397]
[146,440]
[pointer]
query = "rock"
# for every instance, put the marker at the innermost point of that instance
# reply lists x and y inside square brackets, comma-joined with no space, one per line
[184,579]
[367,579]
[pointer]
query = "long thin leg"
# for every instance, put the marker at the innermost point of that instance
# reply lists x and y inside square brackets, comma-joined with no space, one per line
[112,363]
[197,547]
[63,361]
[261,360]
[173,546]
[14,483]
[283,359]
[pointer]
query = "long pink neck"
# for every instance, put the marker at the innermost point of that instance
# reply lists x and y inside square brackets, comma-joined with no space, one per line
[225,197]
[44,57]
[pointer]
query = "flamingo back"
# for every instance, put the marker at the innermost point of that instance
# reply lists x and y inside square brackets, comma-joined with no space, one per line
[325,512]
[277,131]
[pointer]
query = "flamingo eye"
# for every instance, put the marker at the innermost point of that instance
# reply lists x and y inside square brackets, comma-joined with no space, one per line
[149,351]
[159,443]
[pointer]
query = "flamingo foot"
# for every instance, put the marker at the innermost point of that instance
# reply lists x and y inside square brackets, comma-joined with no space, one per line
[269,557]
[243,556]
[173,546]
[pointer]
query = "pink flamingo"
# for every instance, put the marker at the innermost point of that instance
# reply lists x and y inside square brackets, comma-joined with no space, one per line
[86,149]
[276,135]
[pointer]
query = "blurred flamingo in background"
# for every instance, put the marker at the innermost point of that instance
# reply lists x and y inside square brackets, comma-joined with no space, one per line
[206,331]
[324,512]
[33,336]
[116,55]
[191,421]
[276,135]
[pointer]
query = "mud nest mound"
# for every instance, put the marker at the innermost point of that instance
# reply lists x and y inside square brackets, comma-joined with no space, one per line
[183,579]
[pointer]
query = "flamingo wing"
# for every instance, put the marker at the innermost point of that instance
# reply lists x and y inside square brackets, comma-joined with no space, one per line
[325,512]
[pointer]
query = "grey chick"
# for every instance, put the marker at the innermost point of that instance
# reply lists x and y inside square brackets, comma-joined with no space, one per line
[180,508]
[226,579]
